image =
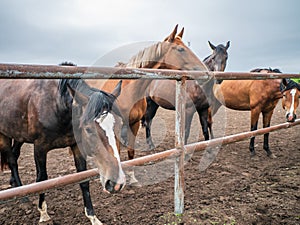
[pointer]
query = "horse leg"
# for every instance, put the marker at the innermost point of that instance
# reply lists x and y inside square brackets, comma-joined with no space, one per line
[80,164]
[254,122]
[266,123]
[130,150]
[40,158]
[204,117]
[124,134]
[209,123]
[16,152]
[147,121]
[8,158]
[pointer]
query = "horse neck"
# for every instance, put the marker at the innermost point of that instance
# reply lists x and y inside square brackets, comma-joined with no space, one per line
[209,63]
[147,57]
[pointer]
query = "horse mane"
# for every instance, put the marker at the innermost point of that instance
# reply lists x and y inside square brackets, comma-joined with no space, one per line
[99,101]
[258,70]
[146,56]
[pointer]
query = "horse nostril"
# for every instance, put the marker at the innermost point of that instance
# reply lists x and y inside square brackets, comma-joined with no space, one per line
[290,117]
[109,186]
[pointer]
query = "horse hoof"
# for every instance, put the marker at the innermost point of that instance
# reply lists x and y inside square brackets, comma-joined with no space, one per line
[272,156]
[134,184]
[49,222]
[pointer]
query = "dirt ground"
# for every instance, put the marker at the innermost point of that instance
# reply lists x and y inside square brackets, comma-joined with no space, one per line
[233,189]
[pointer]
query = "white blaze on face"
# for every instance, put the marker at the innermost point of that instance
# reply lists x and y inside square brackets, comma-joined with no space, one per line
[293,93]
[106,122]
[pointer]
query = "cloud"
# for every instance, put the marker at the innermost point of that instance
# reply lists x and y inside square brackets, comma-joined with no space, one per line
[48,32]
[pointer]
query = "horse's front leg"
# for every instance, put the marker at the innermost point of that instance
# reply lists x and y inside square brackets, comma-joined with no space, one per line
[130,150]
[40,158]
[203,117]
[80,164]
[15,181]
[147,120]
[266,123]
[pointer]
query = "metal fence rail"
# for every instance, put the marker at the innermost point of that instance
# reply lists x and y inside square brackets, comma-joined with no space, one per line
[13,71]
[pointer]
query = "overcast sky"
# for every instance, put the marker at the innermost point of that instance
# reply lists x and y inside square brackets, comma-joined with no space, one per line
[263,33]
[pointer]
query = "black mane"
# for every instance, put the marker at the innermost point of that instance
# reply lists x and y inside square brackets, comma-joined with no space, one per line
[99,101]
[258,70]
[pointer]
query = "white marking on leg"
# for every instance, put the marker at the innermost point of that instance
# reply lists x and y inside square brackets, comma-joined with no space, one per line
[293,92]
[43,211]
[94,220]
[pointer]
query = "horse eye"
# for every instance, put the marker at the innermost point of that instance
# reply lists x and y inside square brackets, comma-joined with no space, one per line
[89,130]
[104,113]
[181,49]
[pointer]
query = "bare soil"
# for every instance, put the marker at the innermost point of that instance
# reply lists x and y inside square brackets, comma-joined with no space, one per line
[233,189]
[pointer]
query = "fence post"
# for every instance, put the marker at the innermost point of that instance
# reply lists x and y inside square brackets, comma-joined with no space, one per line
[179,183]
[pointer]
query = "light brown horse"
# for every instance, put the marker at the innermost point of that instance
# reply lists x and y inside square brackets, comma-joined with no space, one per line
[290,100]
[172,53]
[258,96]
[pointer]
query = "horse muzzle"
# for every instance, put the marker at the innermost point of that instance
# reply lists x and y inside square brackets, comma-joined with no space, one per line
[113,187]
[291,117]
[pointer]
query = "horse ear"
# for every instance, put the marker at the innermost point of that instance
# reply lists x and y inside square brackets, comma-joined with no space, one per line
[227,45]
[117,91]
[171,37]
[181,33]
[79,97]
[211,46]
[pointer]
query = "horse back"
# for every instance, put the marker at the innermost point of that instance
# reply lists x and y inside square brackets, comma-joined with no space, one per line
[29,108]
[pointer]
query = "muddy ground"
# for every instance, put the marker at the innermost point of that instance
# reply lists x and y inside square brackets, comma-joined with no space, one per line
[233,189]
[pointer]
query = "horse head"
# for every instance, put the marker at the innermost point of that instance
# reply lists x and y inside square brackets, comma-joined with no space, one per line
[290,101]
[218,59]
[176,55]
[94,116]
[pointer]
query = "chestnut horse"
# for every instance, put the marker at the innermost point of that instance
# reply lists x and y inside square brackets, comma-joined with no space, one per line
[258,96]
[290,100]
[172,53]
[56,114]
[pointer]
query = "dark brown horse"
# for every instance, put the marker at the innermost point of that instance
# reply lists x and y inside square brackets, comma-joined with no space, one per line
[161,93]
[172,53]
[216,61]
[56,114]
[258,96]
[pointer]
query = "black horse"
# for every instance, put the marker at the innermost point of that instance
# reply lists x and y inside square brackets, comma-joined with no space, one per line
[159,94]
[56,114]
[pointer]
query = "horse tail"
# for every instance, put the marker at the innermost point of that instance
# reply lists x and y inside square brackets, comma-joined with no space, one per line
[4,161]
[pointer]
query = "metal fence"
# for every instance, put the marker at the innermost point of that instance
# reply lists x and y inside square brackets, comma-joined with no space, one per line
[12,71]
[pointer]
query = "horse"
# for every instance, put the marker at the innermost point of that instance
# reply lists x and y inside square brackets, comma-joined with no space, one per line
[291,93]
[56,114]
[161,93]
[171,53]
[258,96]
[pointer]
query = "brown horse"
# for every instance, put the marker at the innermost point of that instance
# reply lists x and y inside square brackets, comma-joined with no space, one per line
[161,93]
[172,53]
[56,114]
[258,96]
[290,101]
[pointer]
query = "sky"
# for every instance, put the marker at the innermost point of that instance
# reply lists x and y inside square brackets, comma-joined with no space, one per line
[262,33]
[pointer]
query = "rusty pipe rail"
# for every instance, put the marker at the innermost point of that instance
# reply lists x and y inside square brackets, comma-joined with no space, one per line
[75,72]
[40,187]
